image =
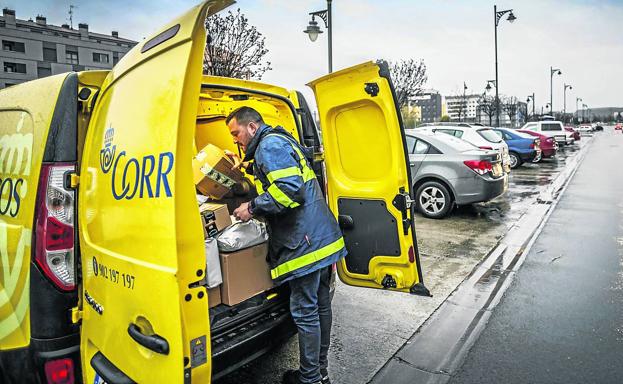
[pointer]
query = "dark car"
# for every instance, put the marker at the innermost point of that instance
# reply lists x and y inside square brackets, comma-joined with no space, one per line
[521,146]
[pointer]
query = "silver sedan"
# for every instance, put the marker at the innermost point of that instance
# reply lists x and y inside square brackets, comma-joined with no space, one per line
[448,171]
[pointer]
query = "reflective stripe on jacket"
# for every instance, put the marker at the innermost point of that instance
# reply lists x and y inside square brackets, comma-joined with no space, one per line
[304,235]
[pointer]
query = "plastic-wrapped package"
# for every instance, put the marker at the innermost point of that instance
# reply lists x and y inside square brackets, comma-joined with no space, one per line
[213,263]
[242,235]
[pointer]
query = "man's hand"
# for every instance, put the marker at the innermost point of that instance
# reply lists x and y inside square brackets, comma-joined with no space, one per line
[238,163]
[242,213]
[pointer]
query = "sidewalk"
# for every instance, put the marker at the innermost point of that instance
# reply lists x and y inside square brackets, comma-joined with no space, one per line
[437,348]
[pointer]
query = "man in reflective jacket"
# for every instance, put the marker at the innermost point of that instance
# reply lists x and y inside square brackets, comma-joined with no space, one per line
[305,239]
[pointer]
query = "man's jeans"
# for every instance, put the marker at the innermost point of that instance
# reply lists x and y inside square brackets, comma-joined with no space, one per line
[310,305]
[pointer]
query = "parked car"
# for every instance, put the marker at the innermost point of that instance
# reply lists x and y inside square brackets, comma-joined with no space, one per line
[618,127]
[574,133]
[598,127]
[447,171]
[550,128]
[549,146]
[481,137]
[521,146]
[585,128]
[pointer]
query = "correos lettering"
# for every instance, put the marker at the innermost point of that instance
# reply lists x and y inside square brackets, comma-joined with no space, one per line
[133,177]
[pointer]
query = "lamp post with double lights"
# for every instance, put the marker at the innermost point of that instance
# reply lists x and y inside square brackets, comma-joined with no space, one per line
[497,15]
[564,105]
[531,97]
[552,71]
[313,30]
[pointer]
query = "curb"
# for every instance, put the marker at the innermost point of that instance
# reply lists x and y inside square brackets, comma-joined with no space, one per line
[439,346]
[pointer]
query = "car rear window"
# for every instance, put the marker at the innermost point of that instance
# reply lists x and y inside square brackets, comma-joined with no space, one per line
[459,145]
[489,135]
[551,127]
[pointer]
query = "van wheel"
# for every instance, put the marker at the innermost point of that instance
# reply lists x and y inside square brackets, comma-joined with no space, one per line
[433,200]
[515,160]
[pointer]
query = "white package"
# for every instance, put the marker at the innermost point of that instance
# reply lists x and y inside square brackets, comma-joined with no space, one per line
[213,264]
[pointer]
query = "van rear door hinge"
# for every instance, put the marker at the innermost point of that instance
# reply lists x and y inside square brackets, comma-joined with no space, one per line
[71,180]
[76,315]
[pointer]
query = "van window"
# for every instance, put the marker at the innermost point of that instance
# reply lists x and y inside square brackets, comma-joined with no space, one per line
[551,127]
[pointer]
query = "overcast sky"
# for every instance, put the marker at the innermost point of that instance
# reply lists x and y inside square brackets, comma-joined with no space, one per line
[454,38]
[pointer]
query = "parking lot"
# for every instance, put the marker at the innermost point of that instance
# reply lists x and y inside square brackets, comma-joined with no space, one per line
[370,325]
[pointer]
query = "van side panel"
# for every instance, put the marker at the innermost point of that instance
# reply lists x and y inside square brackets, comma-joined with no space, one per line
[25,115]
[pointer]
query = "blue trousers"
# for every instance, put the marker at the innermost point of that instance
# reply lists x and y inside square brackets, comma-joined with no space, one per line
[310,305]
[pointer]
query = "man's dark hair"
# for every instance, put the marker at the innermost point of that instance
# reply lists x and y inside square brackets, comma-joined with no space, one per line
[245,115]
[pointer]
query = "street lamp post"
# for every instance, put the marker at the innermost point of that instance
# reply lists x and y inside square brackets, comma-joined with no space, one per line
[313,29]
[564,107]
[577,114]
[496,20]
[552,70]
[531,97]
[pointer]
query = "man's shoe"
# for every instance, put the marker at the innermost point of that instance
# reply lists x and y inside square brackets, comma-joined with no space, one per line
[325,376]
[294,377]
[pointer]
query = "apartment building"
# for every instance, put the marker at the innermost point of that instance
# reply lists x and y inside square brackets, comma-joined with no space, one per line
[35,49]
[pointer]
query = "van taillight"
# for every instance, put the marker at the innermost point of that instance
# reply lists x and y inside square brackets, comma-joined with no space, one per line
[54,227]
[60,371]
[481,167]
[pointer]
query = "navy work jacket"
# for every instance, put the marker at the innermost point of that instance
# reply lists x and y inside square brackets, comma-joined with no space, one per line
[304,235]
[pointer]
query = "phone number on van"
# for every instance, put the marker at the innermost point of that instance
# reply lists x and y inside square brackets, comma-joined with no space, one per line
[113,275]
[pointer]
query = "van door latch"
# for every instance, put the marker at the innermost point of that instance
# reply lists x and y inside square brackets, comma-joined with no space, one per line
[404,203]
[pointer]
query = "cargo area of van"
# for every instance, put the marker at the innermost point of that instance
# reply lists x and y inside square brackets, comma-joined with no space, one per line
[243,301]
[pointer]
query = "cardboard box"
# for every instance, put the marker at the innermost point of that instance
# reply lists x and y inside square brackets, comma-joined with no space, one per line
[212,172]
[245,274]
[214,297]
[214,217]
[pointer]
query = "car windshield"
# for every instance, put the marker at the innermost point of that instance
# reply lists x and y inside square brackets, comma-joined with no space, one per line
[490,135]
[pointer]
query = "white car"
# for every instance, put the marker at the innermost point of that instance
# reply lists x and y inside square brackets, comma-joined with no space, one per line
[482,137]
[551,128]
[585,128]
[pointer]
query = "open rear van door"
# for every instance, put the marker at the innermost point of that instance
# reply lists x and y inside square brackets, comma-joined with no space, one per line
[368,178]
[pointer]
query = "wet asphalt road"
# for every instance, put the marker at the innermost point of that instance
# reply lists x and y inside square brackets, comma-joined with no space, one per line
[371,325]
[561,320]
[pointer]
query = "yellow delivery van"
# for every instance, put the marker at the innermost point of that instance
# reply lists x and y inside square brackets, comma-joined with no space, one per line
[103,274]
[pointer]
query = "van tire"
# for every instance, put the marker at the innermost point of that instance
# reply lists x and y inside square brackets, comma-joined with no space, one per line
[442,200]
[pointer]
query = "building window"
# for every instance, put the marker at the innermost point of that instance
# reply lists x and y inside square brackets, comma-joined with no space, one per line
[115,58]
[71,57]
[14,67]
[49,54]
[13,46]
[100,57]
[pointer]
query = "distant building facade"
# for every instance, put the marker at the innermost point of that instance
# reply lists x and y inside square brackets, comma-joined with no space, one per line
[464,108]
[35,49]
[600,114]
[430,104]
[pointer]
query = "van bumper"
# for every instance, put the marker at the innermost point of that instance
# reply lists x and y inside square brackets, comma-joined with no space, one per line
[231,350]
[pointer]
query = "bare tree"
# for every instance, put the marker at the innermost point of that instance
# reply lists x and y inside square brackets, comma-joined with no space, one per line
[234,48]
[408,77]
[509,106]
[487,106]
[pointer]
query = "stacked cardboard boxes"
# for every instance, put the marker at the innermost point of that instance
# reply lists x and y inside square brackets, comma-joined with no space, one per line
[245,272]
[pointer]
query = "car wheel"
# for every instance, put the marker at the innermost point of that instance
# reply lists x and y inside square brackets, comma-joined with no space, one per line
[515,160]
[433,200]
